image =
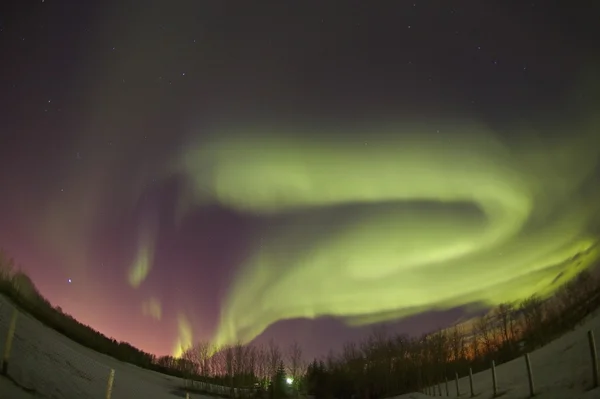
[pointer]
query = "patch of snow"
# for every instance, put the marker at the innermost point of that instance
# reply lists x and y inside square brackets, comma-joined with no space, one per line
[56,367]
[561,370]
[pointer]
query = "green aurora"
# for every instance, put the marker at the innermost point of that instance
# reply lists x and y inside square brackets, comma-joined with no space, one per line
[381,228]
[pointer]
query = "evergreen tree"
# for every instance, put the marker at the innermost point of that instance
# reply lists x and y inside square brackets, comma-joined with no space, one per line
[278,383]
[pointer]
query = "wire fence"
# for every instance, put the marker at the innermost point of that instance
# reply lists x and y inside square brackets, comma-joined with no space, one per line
[38,362]
[564,366]
[45,363]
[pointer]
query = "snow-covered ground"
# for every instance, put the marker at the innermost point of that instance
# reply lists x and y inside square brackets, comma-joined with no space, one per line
[561,370]
[56,367]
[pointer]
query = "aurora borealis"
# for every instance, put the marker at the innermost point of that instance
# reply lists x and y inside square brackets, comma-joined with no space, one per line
[432,223]
[296,172]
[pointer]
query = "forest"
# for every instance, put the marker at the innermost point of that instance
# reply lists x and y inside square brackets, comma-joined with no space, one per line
[382,365]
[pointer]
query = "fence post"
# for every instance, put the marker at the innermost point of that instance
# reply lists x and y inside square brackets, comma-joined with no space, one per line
[494,381]
[457,386]
[447,390]
[529,376]
[109,383]
[439,384]
[594,358]
[471,382]
[9,340]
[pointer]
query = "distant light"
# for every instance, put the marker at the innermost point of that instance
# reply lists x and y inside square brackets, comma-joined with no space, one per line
[289,380]
[69,281]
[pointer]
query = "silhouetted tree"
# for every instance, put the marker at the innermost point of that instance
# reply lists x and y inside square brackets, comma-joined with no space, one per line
[381,365]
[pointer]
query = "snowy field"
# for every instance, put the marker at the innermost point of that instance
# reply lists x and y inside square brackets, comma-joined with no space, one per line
[56,367]
[561,370]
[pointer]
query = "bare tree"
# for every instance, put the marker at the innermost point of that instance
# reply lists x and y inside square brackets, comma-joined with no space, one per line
[565,298]
[378,358]
[218,361]
[188,363]
[274,358]
[354,362]
[402,368]
[294,360]
[294,356]
[229,364]
[457,343]
[262,364]
[202,350]
[250,362]
[7,266]
[440,352]
[244,363]
[585,285]
[505,315]
[239,359]
[485,330]
[532,312]
[475,342]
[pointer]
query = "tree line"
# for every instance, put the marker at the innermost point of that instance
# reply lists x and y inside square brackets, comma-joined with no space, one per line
[381,365]
[261,368]
[385,365]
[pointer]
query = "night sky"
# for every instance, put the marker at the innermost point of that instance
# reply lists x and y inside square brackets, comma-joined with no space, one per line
[196,170]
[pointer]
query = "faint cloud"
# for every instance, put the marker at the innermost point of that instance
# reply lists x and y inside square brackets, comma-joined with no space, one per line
[152,308]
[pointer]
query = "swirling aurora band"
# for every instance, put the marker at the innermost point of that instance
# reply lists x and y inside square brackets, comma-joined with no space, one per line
[436,221]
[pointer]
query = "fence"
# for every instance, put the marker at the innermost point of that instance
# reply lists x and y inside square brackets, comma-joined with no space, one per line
[42,361]
[522,369]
